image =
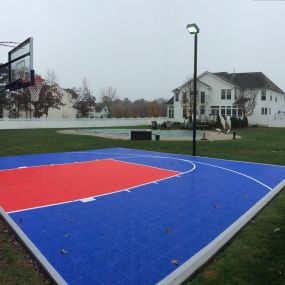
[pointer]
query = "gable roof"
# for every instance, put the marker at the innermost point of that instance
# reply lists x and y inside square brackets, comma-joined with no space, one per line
[187,82]
[171,101]
[249,80]
[222,76]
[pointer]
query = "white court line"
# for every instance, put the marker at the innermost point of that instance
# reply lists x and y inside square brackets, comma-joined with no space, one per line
[156,167]
[240,173]
[54,275]
[53,164]
[155,156]
[129,188]
[207,157]
[190,266]
[215,166]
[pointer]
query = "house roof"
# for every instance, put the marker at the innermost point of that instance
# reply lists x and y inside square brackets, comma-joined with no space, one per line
[184,84]
[249,80]
[241,101]
[100,107]
[222,75]
[171,101]
[74,95]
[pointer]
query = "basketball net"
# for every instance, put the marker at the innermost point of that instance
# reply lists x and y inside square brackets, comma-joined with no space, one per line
[36,89]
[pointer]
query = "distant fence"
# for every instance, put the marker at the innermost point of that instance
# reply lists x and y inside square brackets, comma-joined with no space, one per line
[75,123]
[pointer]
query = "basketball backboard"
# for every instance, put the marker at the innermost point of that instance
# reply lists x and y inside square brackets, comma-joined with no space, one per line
[19,67]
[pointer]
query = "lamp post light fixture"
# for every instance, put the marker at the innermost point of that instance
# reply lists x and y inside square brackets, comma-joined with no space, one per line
[193,29]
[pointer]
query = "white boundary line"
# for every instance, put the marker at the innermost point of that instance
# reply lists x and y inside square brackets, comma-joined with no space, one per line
[237,172]
[207,157]
[136,186]
[211,165]
[52,164]
[195,262]
[54,275]
[151,156]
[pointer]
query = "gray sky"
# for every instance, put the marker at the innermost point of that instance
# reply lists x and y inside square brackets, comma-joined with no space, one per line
[141,47]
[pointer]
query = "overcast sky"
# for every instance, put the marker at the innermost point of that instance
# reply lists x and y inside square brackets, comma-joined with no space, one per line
[141,47]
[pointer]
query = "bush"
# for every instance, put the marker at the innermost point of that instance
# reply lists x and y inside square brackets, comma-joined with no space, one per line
[212,123]
[235,122]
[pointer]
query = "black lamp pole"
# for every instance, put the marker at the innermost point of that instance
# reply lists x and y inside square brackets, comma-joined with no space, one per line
[195,96]
[193,29]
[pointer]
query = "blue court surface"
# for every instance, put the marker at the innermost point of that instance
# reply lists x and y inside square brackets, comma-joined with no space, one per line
[159,231]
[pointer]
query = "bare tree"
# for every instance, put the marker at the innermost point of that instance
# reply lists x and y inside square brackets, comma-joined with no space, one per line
[153,108]
[187,98]
[108,96]
[246,101]
[127,104]
[51,77]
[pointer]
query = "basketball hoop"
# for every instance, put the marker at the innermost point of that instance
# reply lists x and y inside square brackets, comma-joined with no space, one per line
[36,88]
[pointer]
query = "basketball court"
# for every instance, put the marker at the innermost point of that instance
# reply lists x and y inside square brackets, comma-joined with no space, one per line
[124,216]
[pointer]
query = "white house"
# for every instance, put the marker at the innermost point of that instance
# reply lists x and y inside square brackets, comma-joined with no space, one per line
[99,111]
[66,111]
[222,94]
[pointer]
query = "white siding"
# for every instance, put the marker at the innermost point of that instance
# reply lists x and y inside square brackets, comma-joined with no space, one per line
[213,98]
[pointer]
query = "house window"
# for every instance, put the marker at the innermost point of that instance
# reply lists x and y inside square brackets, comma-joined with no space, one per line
[184,113]
[229,94]
[271,98]
[176,97]
[215,110]
[223,94]
[264,111]
[229,110]
[184,97]
[202,97]
[223,111]
[234,112]
[263,95]
[237,93]
[239,113]
[269,111]
[202,111]
[276,99]
[171,113]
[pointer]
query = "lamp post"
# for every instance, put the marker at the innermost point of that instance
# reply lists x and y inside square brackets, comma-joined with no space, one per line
[193,29]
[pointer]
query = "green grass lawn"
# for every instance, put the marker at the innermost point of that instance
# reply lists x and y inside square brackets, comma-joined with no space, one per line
[255,256]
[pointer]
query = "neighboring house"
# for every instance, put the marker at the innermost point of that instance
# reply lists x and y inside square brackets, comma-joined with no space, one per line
[222,94]
[66,111]
[99,112]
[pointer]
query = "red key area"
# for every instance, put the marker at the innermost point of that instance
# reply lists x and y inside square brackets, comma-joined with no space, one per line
[45,185]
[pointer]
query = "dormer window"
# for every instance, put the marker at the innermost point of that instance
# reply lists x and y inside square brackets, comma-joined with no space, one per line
[176,97]
[263,95]
[229,94]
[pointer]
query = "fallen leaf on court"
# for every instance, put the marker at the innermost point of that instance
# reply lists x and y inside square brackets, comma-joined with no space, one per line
[168,230]
[277,230]
[63,251]
[175,262]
